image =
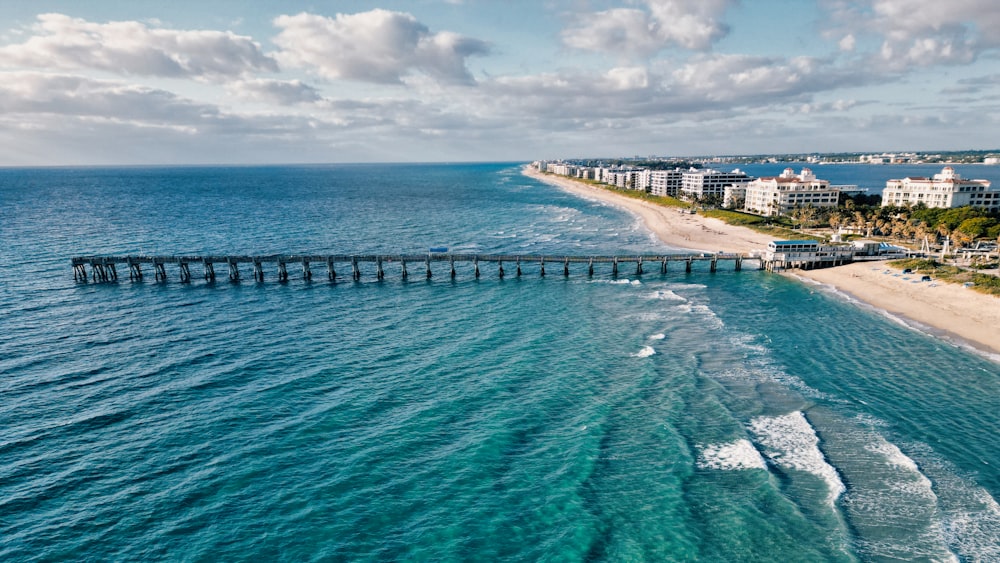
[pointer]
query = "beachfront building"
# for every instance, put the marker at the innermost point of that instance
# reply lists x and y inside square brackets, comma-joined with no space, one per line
[562,169]
[805,254]
[947,189]
[779,195]
[733,197]
[697,184]
[665,182]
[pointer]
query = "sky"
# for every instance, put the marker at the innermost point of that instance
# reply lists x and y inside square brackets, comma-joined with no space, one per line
[266,82]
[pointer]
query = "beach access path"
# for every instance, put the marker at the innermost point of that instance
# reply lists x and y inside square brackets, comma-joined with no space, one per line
[949,310]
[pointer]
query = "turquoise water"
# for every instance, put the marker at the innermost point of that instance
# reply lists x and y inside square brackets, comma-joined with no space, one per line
[733,416]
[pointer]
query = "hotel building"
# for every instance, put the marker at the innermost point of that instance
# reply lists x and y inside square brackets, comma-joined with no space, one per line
[779,195]
[946,189]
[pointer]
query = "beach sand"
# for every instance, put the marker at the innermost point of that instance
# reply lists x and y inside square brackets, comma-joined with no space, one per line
[950,310]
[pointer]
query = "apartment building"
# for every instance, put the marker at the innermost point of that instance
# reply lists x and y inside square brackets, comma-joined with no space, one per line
[779,195]
[947,189]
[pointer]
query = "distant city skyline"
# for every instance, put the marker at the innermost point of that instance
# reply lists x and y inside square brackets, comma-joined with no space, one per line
[227,82]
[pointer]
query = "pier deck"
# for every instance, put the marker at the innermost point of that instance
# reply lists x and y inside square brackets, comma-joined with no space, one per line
[105,268]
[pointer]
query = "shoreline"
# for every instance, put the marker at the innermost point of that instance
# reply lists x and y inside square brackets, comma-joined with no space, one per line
[949,311]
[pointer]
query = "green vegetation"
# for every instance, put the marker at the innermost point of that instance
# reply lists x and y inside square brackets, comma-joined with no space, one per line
[773,226]
[665,201]
[983,283]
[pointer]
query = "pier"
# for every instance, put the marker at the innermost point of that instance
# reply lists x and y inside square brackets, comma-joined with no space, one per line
[356,266]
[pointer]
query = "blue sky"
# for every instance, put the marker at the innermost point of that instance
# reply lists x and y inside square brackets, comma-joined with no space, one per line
[144,82]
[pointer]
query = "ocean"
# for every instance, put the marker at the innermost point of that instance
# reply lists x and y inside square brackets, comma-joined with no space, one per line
[727,416]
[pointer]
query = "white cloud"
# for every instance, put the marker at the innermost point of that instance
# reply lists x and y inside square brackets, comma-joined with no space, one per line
[627,78]
[59,42]
[280,92]
[919,33]
[376,46]
[644,32]
[745,79]
[28,93]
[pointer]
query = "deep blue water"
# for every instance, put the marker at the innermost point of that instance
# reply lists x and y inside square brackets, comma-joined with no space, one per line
[733,416]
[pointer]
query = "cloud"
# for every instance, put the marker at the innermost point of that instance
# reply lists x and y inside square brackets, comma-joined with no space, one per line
[377,46]
[920,33]
[59,42]
[280,92]
[644,32]
[973,85]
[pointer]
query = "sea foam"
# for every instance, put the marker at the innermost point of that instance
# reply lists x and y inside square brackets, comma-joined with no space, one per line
[789,441]
[732,456]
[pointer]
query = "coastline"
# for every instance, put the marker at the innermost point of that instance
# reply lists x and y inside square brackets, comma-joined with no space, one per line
[950,310]
[677,229]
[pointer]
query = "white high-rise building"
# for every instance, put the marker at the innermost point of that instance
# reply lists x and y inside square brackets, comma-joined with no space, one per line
[779,195]
[946,189]
[702,183]
[665,182]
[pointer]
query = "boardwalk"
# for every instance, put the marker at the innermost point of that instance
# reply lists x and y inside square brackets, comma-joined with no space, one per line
[105,268]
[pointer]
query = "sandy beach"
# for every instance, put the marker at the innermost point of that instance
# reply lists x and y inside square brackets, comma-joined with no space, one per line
[680,230]
[949,310]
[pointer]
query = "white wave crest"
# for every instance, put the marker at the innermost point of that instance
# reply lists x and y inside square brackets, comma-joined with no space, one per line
[666,295]
[896,458]
[791,442]
[646,352]
[732,456]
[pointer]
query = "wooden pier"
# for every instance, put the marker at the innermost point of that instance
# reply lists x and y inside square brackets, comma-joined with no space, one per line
[105,268]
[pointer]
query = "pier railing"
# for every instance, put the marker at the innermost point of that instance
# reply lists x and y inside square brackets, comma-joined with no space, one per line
[105,268]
